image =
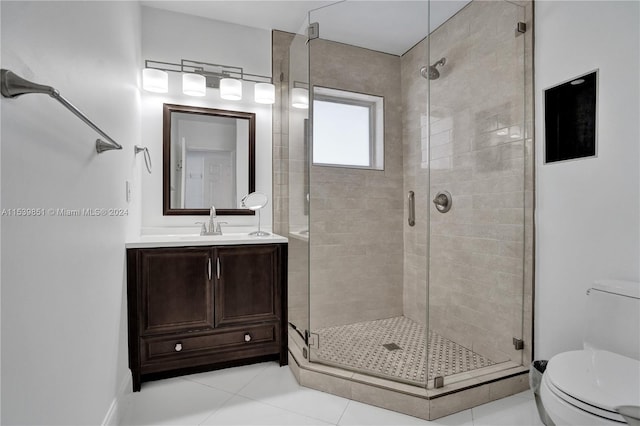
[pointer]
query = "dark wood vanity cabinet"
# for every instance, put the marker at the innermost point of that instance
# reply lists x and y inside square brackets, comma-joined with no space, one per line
[200,308]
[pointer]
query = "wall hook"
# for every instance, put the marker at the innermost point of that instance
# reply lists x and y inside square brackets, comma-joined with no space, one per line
[147,157]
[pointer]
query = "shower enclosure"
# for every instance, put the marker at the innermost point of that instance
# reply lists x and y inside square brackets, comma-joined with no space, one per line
[403,179]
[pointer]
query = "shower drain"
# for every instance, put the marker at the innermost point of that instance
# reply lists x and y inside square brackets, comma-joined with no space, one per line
[391,346]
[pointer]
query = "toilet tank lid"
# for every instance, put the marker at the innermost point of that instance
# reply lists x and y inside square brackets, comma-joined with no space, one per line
[624,288]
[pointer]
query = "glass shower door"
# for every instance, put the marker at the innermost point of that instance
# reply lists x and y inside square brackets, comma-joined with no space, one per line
[476,139]
[295,147]
[414,262]
[360,277]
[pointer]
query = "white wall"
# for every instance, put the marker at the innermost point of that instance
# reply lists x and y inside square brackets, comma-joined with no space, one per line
[587,212]
[64,351]
[170,37]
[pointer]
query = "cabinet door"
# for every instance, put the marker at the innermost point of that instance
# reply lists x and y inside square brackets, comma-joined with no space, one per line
[247,284]
[176,290]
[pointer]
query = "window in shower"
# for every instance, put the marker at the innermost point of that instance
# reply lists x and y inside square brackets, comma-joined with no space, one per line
[348,129]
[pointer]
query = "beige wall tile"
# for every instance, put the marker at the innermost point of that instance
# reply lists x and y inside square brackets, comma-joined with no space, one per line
[461,400]
[366,262]
[391,400]
[510,386]
[477,249]
[356,244]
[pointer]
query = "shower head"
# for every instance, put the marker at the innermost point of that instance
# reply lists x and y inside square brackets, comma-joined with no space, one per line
[431,72]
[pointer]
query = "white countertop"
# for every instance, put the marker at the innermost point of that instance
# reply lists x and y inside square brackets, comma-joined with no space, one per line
[184,240]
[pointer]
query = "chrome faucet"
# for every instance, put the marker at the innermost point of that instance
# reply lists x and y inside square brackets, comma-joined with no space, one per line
[214,227]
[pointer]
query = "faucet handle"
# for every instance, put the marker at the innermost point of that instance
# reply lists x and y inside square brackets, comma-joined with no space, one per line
[203,228]
[218,228]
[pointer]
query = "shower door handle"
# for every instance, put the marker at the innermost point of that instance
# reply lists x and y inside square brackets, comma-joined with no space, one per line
[411,198]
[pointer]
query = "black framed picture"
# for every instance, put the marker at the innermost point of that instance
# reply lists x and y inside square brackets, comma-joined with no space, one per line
[570,125]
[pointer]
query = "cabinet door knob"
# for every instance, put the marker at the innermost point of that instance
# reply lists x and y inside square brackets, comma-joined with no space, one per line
[247,337]
[178,347]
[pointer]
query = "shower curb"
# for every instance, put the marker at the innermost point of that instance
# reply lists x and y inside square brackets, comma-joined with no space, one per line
[427,404]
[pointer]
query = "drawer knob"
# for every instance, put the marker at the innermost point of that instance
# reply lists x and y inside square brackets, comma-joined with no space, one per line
[247,337]
[178,347]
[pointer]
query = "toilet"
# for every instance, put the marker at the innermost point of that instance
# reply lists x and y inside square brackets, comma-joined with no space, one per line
[584,387]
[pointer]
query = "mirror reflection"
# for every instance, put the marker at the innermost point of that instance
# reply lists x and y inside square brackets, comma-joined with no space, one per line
[208,160]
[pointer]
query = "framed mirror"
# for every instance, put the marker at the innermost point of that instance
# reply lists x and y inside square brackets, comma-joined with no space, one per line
[208,160]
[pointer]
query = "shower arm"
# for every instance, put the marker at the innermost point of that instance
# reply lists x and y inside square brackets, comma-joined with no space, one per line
[441,62]
[13,86]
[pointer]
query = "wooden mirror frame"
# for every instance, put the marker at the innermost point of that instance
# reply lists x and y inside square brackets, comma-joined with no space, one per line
[166,157]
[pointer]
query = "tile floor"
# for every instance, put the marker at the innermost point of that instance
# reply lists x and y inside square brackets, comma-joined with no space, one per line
[266,394]
[361,346]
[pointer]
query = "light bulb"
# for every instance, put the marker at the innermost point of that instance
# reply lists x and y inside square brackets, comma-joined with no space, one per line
[300,98]
[154,80]
[230,89]
[265,93]
[194,84]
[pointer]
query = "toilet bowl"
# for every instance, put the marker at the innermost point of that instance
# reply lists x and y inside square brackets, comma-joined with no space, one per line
[584,387]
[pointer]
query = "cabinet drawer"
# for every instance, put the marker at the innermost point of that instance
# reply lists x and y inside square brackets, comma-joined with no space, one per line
[237,338]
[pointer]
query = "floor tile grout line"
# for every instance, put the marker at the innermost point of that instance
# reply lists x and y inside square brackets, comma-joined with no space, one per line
[254,399]
[473,420]
[215,410]
[208,386]
[286,409]
[224,390]
[251,380]
[344,411]
[229,395]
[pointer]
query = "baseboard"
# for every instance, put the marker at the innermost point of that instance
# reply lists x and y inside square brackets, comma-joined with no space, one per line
[116,409]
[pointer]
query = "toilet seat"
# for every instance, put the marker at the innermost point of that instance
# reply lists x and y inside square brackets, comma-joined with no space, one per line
[595,381]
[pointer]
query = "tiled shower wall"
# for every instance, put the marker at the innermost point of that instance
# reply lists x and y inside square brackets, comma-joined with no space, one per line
[280,67]
[476,140]
[357,246]
[363,266]
[356,215]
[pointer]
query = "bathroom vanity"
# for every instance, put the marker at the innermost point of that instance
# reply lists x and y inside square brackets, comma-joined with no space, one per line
[201,303]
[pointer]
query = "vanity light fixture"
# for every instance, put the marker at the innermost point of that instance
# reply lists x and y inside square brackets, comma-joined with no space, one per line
[265,93]
[194,84]
[230,89]
[197,76]
[300,98]
[155,80]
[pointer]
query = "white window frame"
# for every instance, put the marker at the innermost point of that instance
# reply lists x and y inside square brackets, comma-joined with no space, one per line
[375,104]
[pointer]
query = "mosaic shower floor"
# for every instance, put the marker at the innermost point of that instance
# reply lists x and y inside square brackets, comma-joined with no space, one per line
[395,347]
